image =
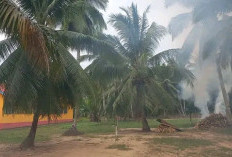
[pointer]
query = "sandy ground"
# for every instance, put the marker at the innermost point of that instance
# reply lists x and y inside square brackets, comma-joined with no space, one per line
[139,145]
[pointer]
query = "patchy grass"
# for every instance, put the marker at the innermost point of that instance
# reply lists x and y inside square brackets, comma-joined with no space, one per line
[45,133]
[222,152]
[224,131]
[181,143]
[181,123]
[212,152]
[119,147]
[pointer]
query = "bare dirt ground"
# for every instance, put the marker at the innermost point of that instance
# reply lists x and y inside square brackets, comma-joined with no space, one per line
[131,143]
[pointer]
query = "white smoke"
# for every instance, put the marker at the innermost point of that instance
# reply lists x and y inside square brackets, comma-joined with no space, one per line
[220,107]
[227,77]
[206,80]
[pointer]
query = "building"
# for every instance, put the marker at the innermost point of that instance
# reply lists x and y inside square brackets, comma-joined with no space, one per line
[21,120]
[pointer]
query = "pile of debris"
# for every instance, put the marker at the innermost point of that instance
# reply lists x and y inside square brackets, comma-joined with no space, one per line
[166,127]
[72,132]
[213,121]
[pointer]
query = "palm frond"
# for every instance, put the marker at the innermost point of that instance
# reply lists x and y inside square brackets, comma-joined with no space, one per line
[7,46]
[83,17]
[125,86]
[179,23]
[210,9]
[20,78]
[15,23]
[144,24]
[158,95]
[93,45]
[153,36]
[101,4]
[75,75]
[8,65]
[105,72]
[119,46]
[165,57]
[122,24]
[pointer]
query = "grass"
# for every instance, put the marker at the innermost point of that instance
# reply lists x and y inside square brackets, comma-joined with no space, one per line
[224,131]
[182,143]
[219,152]
[45,133]
[119,147]
[181,123]
[212,152]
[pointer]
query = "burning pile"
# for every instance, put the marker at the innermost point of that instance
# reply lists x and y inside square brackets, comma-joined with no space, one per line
[165,127]
[213,121]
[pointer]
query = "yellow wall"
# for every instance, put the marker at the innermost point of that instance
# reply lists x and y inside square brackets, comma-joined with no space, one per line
[15,118]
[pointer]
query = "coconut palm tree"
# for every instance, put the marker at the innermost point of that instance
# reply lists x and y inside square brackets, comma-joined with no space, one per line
[38,61]
[130,75]
[28,91]
[88,20]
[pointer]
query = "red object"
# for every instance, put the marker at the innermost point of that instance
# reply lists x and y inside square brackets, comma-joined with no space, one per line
[2,88]
[24,124]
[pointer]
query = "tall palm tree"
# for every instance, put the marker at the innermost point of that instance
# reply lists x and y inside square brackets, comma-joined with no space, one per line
[210,32]
[88,20]
[132,78]
[33,42]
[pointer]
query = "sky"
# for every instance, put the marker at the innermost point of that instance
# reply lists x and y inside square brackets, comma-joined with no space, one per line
[1,37]
[158,13]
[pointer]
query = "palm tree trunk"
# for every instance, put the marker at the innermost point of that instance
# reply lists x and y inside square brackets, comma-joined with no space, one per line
[76,104]
[141,107]
[145,125]
[73,130]
[94,117]
[190,118]
[224,93]
[182,107]
[29,141]
[104,103]
[75,116]
[132,112]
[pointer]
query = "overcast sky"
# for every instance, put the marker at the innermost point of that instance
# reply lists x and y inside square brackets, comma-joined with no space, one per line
[158,13]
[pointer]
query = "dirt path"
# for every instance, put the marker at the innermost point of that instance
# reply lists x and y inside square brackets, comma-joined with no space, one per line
[131,143]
